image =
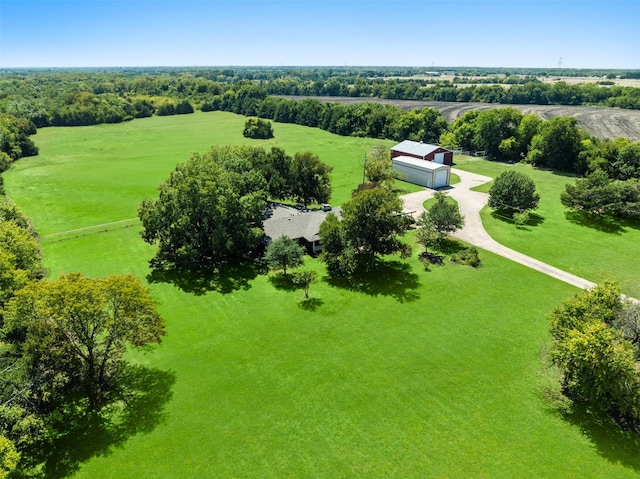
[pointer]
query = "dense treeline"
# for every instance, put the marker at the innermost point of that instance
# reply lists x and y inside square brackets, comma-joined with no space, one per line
[84,97]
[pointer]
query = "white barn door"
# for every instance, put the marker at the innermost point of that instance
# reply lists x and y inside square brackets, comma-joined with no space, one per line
[441,179]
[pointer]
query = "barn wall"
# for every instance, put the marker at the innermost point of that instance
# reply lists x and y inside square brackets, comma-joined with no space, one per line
[395,154]
[448,155]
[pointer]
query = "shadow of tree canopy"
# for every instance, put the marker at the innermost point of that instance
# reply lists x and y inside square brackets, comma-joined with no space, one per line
[310,304]
[224,279]
[284,282]
[506,216]
[138,407]
[382,278]
[606,224]
[610,440]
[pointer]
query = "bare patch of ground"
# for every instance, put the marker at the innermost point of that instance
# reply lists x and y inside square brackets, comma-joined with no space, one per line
[600,121]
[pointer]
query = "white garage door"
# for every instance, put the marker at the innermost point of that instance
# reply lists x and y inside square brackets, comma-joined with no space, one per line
[439,158]
[441,179]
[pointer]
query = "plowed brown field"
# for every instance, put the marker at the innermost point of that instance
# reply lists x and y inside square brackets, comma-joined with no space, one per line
[603,122]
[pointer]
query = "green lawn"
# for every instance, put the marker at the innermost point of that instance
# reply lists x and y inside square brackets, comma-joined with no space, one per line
[411,374]
[402,373]
[99,174]
[595,251]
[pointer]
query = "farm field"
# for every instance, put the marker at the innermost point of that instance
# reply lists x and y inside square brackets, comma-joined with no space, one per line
[404,373]
[600,121]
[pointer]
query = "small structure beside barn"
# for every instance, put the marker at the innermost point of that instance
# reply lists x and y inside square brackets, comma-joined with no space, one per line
[423,151]
[422,164]
[300,225]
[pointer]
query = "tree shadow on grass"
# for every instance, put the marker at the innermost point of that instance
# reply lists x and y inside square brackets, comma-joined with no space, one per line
[507,217]
[284,282]
[138,408]
[601,223]
[224,280]
[310,304]
[383,278]
[610,440]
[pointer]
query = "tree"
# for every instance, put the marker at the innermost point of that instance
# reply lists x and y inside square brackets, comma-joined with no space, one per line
[597,363]
[310,181]
[513,190]
[492,127]
[275,167]
[305,278]
[378,167]
[257,128]
[71,334]
[598,195]
[208,211]
[284,253]
[9,457]
[371,226]
[557,146]
[372,222]
[443,216]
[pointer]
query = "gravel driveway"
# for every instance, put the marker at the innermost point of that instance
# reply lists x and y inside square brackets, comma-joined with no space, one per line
[470,204]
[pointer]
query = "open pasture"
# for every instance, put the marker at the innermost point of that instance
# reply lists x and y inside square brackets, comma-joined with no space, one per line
[87,176]
[399,373]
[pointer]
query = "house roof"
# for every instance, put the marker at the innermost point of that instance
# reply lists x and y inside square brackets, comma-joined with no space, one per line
[298,225]
[419,163]
[415,148]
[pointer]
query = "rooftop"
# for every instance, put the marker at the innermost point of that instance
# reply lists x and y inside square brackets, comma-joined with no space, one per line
[424,164]
[415,148]
[295,223]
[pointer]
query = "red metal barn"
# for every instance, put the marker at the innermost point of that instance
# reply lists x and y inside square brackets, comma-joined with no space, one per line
[423,151]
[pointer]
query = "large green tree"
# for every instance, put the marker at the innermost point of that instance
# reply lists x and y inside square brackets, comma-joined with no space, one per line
[514,191]
[557,145]
[598,365]
[283,253]
[371,226]
[71,334]
[208,212]
[310,180]
[378,167]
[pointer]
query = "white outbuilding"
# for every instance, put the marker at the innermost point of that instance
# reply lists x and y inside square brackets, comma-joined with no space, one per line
[422,172]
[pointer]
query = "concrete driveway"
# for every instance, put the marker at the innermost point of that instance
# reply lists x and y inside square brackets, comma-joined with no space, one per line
[470,204]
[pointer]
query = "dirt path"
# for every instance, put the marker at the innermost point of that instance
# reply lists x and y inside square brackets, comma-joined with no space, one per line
[470,204]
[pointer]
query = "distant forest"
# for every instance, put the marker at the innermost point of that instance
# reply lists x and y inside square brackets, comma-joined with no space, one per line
[71,97]
[31,99]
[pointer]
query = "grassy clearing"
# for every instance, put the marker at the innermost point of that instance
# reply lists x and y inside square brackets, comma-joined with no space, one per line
[597,251]
[100,174]
[400,376]
[401,373]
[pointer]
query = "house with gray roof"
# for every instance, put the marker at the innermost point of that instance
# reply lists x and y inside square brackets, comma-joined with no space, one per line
[300,225]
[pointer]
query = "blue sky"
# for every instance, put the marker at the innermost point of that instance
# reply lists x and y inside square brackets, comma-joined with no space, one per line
[515,33]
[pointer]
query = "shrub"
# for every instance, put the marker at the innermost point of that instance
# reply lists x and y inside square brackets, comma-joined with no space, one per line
[468,256]
[257,128]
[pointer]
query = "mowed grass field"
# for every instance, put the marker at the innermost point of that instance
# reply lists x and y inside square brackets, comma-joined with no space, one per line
[100,174]
[597,251]
[405,373]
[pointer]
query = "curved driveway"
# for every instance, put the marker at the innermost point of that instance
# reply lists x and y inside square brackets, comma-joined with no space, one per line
[470,204]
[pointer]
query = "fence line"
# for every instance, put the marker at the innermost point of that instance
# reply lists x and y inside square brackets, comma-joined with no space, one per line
[89,230]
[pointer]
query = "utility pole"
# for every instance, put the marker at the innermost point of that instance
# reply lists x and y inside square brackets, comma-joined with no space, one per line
[364,169]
